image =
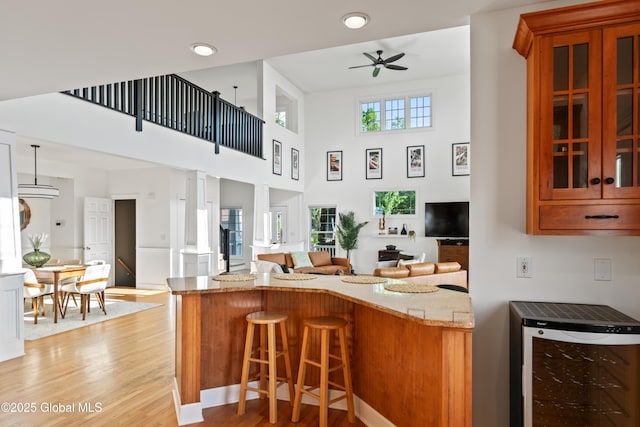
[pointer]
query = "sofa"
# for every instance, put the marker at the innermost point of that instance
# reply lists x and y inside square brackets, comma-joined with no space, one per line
[320,262]
[428,273]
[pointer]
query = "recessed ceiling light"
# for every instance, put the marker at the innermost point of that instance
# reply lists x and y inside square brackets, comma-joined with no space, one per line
[203,49]
[355,20]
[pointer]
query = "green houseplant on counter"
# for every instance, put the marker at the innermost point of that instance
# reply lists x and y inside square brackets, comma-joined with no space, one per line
[37,258]
[348,231]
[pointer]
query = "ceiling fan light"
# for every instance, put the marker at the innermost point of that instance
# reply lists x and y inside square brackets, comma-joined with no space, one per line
[203,49]
[355,20]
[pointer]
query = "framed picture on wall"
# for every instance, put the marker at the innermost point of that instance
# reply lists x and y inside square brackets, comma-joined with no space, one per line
[277,157]
[415,161]
[334,165]
[374,163]
[460,159]
[295,164]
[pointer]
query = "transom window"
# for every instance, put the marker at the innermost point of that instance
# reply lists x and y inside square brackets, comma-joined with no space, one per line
[397,113]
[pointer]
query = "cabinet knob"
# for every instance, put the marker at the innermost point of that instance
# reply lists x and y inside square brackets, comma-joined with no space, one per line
[595,181]
[609,180]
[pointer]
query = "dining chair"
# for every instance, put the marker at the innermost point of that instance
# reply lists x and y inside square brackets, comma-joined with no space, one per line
[36,291]
[94,281]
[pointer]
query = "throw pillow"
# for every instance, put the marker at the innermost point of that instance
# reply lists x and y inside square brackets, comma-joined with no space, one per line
[403,262]
[284,267]
[267,267]
[301,259]
[320,258]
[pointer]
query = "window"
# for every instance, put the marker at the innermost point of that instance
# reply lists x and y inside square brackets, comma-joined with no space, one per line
[281,118]
[394,202]
[323,229]
[392,114]
[420,112]
[286,110]
[370,116]
[231,218]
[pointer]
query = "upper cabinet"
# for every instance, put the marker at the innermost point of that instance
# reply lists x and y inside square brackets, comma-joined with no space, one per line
[583,124]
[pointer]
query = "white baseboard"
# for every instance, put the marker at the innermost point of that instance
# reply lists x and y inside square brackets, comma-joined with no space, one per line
[230,394]
[186,414]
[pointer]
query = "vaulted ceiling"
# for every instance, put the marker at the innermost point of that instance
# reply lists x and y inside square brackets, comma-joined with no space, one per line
[49,46]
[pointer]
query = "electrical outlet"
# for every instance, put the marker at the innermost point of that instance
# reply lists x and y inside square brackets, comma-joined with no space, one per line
[523,267]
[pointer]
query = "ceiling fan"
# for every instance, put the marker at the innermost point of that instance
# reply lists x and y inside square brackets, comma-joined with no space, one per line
[386,63]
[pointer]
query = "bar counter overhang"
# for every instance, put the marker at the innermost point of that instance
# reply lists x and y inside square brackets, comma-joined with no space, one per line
[410,352]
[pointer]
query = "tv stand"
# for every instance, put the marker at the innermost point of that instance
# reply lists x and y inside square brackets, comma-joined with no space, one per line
[454,250]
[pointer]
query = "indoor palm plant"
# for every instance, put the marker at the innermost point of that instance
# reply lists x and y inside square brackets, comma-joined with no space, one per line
[348,231]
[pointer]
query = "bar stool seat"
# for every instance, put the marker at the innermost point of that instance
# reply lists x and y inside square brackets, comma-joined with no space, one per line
[325,324]
[268,354]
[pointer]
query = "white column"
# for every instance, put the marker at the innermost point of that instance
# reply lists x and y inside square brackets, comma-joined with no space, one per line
[197,252]
[11,281]
[10,246]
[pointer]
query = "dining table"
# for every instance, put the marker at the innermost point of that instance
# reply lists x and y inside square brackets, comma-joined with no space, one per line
[53,274]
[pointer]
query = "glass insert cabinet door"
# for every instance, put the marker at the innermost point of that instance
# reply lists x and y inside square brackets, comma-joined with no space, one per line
[570,133]
[621,121]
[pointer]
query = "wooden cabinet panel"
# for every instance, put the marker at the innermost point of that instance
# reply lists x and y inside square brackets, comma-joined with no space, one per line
[583,125]
[458,252]
[590,217]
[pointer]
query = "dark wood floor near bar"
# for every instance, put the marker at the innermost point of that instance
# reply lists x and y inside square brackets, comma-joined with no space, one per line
[118,373]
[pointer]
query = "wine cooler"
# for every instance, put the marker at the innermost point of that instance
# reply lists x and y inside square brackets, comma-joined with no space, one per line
[573,365]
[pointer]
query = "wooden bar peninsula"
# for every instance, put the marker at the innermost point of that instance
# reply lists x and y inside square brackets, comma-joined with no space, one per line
[410,352]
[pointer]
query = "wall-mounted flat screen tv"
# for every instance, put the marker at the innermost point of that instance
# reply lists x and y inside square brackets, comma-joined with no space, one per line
[446,219]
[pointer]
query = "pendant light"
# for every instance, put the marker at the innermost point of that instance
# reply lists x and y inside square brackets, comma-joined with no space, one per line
[35,190]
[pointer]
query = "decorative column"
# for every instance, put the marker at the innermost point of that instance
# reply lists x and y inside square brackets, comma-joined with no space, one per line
[261,220]
[11,280]
[197,252]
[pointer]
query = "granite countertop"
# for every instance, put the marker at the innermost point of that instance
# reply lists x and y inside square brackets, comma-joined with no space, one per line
[441,308]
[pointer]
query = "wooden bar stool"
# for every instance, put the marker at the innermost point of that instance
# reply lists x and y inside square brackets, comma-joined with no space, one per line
[267,360]
[325,325]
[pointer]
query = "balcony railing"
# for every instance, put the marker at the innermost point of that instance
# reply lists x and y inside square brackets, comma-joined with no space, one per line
[178,104]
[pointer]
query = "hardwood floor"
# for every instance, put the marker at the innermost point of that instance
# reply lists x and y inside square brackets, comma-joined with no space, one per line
[117,373]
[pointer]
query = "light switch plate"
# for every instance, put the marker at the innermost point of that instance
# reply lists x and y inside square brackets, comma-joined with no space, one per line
[602,269]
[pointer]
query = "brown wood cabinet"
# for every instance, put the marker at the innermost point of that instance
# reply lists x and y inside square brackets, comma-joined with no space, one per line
[454,250]
[583,123]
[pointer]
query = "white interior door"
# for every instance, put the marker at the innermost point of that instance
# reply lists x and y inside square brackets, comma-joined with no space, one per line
[98,229]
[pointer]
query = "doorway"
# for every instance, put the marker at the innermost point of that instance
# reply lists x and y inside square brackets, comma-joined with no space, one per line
[125,243]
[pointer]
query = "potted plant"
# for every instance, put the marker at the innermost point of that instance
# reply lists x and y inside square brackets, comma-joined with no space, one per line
[348,231]
[37,258]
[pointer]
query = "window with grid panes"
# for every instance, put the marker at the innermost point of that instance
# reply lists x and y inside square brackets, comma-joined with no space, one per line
[398,113]
[370,116]
[420,111]
[394,114]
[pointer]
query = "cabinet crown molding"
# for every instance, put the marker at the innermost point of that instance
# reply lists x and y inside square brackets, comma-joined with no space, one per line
[571,18]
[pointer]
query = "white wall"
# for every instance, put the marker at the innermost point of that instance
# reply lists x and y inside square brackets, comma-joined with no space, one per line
[331,120]
[563,267]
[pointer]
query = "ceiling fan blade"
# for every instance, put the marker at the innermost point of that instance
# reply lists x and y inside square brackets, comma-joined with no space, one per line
[372,58]
[395,67]
[360,66]
[376,71]
[393,58]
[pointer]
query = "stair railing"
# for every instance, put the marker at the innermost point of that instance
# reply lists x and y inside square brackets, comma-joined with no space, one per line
[178,104]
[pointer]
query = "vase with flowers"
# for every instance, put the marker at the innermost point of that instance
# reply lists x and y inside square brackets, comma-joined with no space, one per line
[37,258]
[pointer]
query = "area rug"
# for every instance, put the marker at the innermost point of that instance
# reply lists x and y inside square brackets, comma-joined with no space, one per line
[73,319]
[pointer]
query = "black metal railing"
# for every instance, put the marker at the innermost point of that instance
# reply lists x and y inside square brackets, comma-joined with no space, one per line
[178,104]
